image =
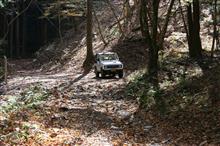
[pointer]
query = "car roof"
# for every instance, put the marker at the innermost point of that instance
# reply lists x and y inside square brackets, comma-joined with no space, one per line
[106,53]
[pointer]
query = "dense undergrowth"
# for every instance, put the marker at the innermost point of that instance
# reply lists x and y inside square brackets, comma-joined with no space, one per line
[30,98]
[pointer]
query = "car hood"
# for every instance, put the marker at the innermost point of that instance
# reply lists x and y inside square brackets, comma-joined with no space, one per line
[115,62]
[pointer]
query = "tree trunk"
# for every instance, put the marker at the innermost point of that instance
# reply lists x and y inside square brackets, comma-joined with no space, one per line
[127,15]
[6,73]
[144,22]
[11,37]
[196,19]
[153,61]
[18,37]
[192,52]
[5,30]
[23,19]
[184,22]
[164,29]
[89,61]
[214,28]
[154,41]
[154,48]
[59,22]
[151,39]
[194,41]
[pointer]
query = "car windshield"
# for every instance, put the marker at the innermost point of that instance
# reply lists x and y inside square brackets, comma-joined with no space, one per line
[107,57]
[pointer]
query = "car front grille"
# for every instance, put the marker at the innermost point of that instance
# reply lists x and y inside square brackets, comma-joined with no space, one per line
[113,66]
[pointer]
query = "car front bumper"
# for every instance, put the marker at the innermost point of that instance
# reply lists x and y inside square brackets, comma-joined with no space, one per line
[112,71]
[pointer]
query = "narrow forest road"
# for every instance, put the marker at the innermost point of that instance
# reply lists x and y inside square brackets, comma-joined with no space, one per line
[84,110]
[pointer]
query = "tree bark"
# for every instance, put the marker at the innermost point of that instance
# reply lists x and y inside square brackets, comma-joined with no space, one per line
[214,28]
[23,19]
[6,73]
[127,15]
[184,22]
[4,30]
[89,61]
[18,37]
[154,48]
[59,22]
[11,37]
[194,41]
[164,29]
[144,22]
[196,19]
[192,52]
[149,25]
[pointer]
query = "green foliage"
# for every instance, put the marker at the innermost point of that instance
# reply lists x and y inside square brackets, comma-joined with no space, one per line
[147,94]
[10,104]
[19,134]
[136,84]
[34,94]
[23,133]
[147,98]
[140,88]
[31,98]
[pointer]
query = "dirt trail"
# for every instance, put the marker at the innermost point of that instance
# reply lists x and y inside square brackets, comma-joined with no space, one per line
[93,108]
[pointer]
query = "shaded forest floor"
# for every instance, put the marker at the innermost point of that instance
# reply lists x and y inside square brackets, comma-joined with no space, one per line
[69,107]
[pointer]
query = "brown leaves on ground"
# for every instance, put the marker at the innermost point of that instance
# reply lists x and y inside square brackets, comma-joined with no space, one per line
[94,111]
[83,110]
